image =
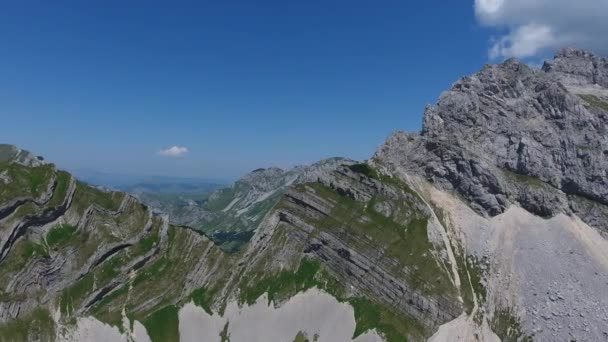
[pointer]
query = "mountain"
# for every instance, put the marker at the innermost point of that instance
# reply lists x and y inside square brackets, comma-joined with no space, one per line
[180,198]
[13,153]
[231,215]
[488,225]
[151,183]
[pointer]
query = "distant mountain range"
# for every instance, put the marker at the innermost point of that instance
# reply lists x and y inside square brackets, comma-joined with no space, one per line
[151,182]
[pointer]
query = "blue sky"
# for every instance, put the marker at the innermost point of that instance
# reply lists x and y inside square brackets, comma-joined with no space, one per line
[240,84]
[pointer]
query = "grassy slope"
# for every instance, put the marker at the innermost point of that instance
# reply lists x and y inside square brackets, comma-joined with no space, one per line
[403,235]
[595,102]
[25,181]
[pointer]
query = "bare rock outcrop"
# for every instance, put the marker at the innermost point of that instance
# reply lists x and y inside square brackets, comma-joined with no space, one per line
[513,134]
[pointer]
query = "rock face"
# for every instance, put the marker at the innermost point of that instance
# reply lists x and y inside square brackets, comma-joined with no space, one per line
[512,134]
[578,67]
[369,253]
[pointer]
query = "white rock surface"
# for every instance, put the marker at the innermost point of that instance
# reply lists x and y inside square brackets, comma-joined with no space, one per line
[313,312]
[552,272]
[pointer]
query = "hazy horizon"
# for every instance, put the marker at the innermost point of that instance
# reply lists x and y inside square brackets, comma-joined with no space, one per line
[217,90]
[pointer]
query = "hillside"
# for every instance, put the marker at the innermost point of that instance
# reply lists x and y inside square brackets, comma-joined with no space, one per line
[71,252]
[489,224]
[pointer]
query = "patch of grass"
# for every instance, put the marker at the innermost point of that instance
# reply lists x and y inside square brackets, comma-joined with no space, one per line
[524,180]
[301,337]
[148,242]
[595,101]
[154,271]
[110,269]
[60,234]
[285,284]
[37,326]
[107,313]
[61,189]
[24,181]
[38,179]
[365,169]
[73,296]
[508,327]
[224,334]
[476,277]
[86,195]
[162,326]
[203,298]
[369,315]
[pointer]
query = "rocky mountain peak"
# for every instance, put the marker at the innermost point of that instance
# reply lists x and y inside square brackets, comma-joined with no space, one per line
[260,177]
[570,52]
[509,125]
[577,67]
[13,154]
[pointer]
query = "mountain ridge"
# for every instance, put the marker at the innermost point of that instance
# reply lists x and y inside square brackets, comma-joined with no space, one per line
[487,225]
[483,119]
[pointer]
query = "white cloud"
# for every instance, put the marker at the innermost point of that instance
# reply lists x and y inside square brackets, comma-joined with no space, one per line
[173,151]
[537,26]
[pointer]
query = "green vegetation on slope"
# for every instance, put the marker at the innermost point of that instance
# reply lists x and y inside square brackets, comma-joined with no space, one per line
[86,195]
[38,326]
[224,335]
[203,298]
[368,314]
[163,325]
[364,169]
[403,235]
[286,284]
[468,270]
[520,179]
[507,326]
[73,296]
[595,101]
[301,337]
[60,234]
[24,181]
[371,316]
[148,242]
[61,189]
[168,270]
